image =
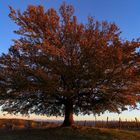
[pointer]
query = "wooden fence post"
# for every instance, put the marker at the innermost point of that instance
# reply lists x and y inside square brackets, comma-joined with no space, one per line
[120,123]
[95,122]
[107,122]
[137,124]
[126,124]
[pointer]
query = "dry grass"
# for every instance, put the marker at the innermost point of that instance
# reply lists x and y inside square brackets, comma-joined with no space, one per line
[51,131]
[75,133]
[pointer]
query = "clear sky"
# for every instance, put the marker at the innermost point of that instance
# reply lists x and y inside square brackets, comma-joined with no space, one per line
[125,13]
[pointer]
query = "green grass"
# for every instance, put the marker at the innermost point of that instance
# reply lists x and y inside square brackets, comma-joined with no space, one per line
[59,133]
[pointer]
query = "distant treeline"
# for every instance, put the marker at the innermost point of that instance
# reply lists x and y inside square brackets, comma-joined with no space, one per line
[11,124]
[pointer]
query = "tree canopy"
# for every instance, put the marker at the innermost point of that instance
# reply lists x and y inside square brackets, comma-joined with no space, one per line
[59,66]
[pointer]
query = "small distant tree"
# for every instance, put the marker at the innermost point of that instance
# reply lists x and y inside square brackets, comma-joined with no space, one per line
[61,67]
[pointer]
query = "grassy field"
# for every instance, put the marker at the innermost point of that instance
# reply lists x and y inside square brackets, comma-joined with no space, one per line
[59,133]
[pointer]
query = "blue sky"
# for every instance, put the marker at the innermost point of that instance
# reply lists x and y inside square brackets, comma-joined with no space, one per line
[125,13]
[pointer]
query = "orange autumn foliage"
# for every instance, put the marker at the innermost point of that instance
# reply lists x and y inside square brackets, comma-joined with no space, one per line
[59,66]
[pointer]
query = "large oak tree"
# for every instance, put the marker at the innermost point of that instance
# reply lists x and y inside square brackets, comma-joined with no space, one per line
[59,66]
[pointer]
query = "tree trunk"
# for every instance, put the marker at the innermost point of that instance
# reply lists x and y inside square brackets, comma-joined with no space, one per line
[68,120]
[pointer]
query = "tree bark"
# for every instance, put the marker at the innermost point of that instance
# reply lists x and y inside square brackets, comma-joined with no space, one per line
[68,120]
